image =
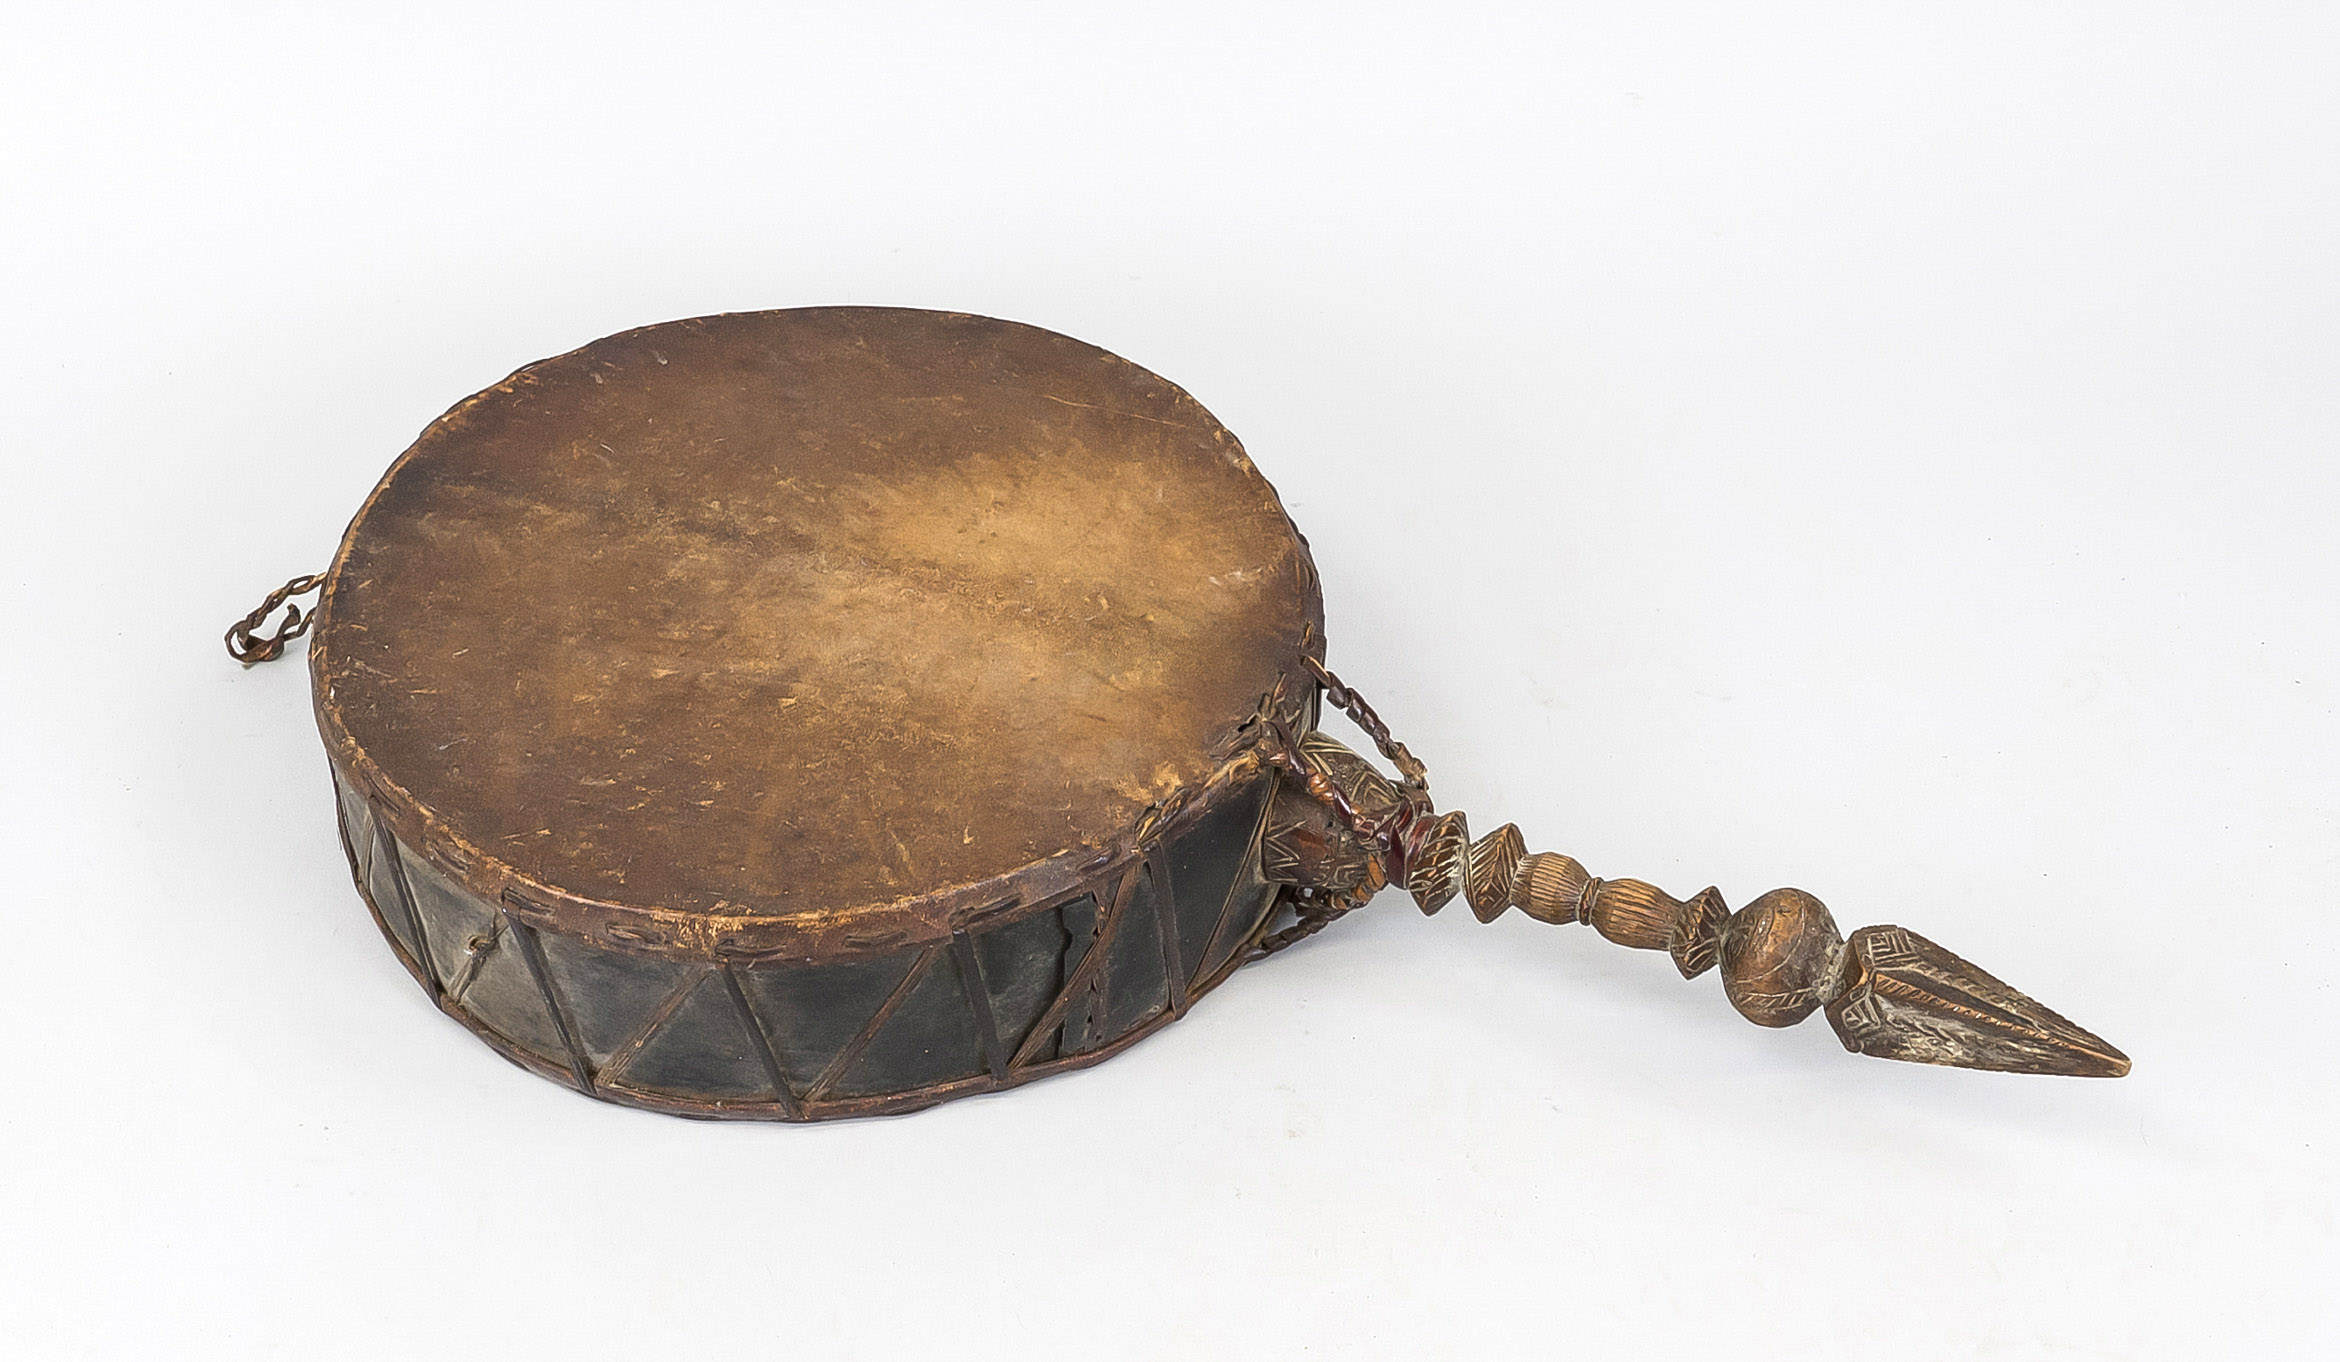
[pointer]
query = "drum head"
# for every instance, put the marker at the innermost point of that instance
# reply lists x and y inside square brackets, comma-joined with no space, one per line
[849,620]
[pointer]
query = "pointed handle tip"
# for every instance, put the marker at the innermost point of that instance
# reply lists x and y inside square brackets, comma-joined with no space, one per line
[1900,996]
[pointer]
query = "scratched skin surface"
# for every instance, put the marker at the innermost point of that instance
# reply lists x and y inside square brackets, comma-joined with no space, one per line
[809,609]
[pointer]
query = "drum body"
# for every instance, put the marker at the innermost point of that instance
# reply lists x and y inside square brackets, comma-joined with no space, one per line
[1000,1002]
[816,713]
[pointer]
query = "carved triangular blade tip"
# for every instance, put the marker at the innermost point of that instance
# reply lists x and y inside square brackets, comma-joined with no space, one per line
[1903,997]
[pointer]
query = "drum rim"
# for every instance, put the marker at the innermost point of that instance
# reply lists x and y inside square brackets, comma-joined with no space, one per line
[806,935]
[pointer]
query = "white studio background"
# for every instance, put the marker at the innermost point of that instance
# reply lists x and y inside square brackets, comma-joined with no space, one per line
[1891,451]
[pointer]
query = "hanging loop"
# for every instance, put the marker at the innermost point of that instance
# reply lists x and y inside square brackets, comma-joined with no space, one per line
[1411,773]
[248,647]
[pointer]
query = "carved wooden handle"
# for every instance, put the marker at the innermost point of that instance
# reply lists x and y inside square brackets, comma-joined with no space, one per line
[1887,991]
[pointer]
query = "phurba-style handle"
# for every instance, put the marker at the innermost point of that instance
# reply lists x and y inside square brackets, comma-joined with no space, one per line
[1339,830]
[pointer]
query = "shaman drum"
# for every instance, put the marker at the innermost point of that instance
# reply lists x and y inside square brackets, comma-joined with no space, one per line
[830,712]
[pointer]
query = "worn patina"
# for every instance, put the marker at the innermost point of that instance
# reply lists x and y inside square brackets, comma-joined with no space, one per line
[831,712]
[804,632]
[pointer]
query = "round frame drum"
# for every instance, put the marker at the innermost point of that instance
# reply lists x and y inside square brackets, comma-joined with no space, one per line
[828,712]
[816,713]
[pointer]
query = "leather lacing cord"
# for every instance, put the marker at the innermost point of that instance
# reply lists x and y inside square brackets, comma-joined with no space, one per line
[246,645]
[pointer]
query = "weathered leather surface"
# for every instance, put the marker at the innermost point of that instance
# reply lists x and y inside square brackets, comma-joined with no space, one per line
[807,616]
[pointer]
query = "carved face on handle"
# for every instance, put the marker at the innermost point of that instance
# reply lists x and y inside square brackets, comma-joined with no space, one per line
[1308,845]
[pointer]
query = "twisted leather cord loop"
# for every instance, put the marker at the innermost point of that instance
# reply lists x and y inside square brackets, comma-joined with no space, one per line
[249,647]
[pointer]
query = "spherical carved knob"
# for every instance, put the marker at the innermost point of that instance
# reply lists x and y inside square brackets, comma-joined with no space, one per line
[1779,954]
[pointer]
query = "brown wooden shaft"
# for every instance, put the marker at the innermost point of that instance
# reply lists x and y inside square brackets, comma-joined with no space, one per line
[1888,992]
